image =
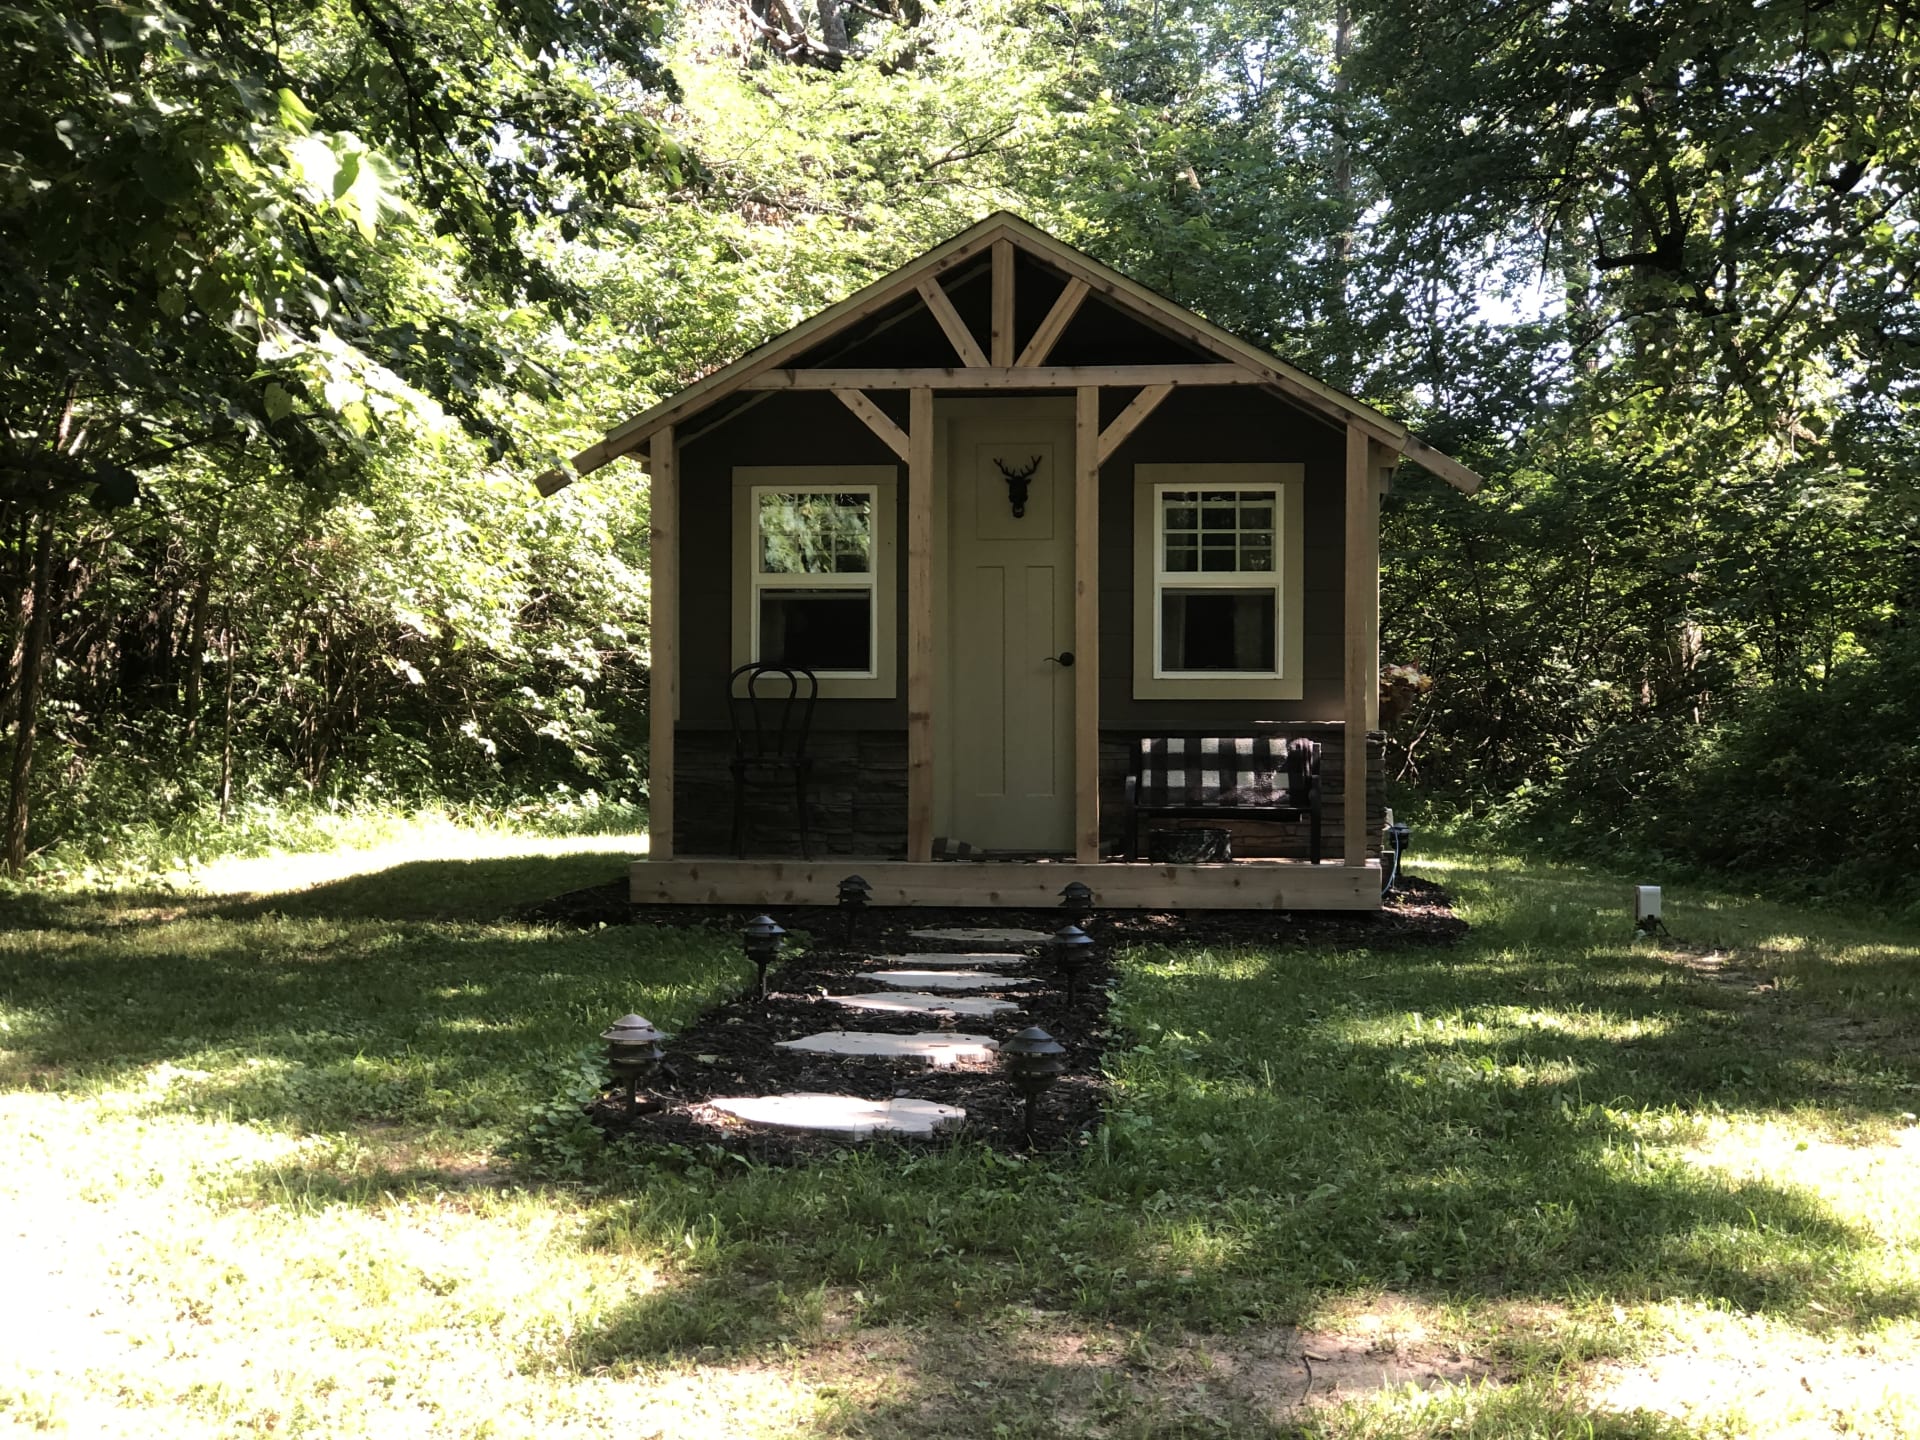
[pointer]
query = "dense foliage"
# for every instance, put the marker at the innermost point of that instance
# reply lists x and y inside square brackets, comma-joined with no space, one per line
[296,297]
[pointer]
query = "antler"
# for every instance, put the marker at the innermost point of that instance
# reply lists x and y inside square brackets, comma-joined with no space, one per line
[1027,474]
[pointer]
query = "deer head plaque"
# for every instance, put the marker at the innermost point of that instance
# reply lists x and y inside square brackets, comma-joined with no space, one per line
[1017,483]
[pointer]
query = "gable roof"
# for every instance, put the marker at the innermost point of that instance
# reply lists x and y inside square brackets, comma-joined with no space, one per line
[968,246]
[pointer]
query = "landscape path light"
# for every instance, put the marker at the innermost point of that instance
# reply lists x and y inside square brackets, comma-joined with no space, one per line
[633,1052]
[1076,898]
[1033,1060]
[855,895]
[1072,948]
[761,940]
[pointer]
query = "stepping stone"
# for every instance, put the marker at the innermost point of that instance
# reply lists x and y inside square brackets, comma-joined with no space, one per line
[939,1048]
[961,959]
[973,935]
[946,979]
[909,1002]
[843,1114]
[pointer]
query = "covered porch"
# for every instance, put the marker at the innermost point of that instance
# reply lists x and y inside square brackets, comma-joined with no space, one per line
[1081,518]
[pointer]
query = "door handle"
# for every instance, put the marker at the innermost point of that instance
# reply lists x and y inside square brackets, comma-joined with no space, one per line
[1064,659]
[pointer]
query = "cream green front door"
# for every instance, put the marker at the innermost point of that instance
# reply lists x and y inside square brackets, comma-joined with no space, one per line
[1009,624]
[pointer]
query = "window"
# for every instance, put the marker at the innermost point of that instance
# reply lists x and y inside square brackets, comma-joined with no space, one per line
[813,579]
[1217,581]
[814,582]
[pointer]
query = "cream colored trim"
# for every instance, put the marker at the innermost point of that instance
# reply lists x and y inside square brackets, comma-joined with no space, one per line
[1289,684]
[884,480]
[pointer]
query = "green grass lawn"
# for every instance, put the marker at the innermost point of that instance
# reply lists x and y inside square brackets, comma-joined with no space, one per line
[268,1172]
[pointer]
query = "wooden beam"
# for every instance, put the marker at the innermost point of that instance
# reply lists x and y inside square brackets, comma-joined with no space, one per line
[877,420]
[663,637]
[1086,624]
[1379,457]
[1002,337]
[920,627]
[963,249]
[1128,420]
[1361,623]
[1445,466]
[964,345]
[1004,377]
[1054,326]
[1241,885]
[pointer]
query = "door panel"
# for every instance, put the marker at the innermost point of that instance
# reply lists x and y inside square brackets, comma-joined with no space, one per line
[1010,609]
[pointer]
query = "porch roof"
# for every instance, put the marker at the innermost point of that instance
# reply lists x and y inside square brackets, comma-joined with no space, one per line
[1237,362]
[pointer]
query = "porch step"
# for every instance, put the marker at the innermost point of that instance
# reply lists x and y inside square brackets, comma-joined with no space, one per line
[982,935]
[846,1115]
[947,979]
[939,1048]
[909,1002]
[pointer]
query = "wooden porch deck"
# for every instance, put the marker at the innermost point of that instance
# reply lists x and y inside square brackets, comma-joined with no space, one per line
[1119,884]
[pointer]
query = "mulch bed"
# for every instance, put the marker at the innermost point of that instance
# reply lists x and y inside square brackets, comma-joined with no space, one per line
[731,1050]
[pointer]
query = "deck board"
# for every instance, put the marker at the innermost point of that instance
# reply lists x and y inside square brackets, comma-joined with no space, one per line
[1236,885]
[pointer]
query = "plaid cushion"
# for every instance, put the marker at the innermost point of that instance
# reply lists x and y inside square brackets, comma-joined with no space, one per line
[1174,771]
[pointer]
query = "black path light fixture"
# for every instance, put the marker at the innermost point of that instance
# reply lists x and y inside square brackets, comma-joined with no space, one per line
[855,895]
[1076,898]
[1033,1061]
[761,940]
[1072,948]
[633,1053]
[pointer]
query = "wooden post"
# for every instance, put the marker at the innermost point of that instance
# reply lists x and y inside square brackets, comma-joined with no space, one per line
[1001,349]
[1379,465]
[920,626]
[1362,631]
[1086,624]
[663,636]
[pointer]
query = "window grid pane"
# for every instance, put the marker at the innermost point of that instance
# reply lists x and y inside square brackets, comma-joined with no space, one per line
[815,533]
[1220,532]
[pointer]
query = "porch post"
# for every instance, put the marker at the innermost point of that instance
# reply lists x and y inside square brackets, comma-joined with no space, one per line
[920,625]
[1086,624]
[1362,627]
[663,635]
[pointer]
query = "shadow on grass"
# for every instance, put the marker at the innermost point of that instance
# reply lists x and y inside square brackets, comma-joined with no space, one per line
[338,1008]
[484,889]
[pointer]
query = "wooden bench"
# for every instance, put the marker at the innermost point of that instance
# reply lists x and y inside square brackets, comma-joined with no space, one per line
[1225,777]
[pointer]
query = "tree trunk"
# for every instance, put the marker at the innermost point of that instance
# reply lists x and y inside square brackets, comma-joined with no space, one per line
[32,667]
[226,727]
[1340,256]
[197,629]
[833,26]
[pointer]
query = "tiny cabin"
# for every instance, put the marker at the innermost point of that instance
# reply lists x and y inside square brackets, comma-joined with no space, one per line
[1046,579]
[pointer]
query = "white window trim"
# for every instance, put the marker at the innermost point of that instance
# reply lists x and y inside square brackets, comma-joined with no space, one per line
[1150,680]
[1268,580]
[880,481]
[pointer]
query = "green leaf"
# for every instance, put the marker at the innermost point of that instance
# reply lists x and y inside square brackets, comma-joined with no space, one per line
[293,113]
[278,402]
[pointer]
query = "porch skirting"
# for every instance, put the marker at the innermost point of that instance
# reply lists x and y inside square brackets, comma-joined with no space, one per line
[1237,885]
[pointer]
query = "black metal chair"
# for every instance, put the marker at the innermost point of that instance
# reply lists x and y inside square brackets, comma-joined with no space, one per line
[770,738]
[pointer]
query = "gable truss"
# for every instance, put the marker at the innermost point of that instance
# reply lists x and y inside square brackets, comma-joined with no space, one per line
[997,367]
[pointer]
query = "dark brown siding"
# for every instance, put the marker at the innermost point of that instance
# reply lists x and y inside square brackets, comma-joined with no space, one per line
[783,429]
[1219,425]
